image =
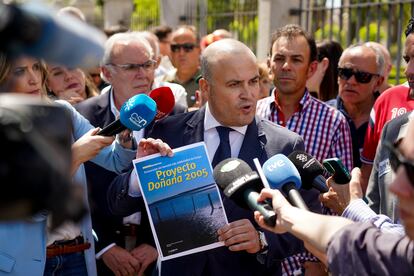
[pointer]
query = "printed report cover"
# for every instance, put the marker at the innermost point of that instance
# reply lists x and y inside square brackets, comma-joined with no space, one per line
[183,202]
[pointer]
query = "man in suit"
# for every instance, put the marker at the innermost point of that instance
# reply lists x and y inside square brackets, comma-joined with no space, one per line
[122,51]
[231,82]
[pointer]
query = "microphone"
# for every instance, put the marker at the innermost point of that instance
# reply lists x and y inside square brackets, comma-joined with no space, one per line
[283,175]
[135,114]
[310,170]
[33,30]
[164,98]
[242,185]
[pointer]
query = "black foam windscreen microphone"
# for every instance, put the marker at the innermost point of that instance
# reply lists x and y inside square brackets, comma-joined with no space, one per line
[242,185]
[310,170]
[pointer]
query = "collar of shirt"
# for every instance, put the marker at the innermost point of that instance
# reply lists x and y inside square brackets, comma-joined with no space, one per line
[137,134]
[212,140]
[274,105]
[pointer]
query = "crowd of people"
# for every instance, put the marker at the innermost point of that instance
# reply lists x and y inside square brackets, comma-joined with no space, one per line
[315,97]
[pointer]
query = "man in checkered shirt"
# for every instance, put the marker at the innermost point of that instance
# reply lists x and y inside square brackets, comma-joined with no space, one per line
[324,130]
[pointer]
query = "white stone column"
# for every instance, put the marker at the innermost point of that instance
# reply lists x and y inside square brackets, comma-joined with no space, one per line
[117,12]
[272,15]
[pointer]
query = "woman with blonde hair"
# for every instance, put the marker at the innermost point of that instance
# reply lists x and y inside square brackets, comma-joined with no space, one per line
[26,245]
[72,85]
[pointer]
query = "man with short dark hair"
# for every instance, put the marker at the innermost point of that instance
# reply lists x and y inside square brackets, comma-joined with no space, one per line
[324,130]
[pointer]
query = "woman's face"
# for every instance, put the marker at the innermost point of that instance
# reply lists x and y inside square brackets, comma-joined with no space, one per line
[66,83]
[25,76]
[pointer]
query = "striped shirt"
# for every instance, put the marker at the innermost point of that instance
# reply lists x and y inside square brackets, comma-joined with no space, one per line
[325,133]
[324,129]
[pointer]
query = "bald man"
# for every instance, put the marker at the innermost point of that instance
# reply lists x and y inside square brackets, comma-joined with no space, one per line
[231,84]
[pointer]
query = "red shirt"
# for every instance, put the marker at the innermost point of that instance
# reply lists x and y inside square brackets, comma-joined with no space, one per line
[392,103]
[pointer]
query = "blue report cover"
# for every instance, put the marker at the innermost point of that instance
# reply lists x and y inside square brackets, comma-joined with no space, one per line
[182,199]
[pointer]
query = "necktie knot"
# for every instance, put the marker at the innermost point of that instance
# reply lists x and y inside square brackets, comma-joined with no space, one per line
[223,151]
[223,133]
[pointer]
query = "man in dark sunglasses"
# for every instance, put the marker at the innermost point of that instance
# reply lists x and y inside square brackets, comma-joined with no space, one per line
[360,72]
[185,57]
[392,103]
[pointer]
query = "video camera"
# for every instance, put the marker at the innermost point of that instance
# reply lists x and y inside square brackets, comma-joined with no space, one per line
[35,161]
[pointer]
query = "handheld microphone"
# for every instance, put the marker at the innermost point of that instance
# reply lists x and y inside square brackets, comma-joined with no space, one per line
[135,114]
[31,29]
[241,184]
[164,98]
[283,175]
[310,170]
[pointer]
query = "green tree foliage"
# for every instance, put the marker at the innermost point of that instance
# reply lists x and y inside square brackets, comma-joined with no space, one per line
[146,15]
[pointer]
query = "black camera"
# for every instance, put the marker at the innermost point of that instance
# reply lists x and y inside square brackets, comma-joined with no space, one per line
[35,161]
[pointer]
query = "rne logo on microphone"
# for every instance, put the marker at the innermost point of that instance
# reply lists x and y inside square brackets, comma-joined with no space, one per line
[275,165]
[302,157]
[137,120]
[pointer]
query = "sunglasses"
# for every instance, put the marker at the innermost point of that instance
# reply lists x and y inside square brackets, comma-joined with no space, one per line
[187,47]
[129,67]
[397,159]
[360,76]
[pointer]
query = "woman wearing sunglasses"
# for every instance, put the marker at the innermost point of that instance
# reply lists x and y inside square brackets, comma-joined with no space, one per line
[23,243]
[358,248]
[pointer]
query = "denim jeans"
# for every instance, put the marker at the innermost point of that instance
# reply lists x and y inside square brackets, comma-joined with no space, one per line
[66,265]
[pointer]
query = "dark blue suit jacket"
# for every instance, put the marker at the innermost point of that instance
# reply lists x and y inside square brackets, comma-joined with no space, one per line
[262,140]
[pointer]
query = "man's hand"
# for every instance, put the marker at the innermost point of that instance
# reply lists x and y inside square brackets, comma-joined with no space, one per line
[126,139]
[240,235]
[145,254]
[280,206]
[339,196]
[150,146]
[120,261]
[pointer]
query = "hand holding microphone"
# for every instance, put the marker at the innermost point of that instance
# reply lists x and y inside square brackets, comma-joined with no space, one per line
[282,175]
[242,185]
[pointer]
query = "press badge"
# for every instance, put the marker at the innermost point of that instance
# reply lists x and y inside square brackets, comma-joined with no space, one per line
[384,167]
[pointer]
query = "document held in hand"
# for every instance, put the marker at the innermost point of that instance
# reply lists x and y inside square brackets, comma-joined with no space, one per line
[182,200]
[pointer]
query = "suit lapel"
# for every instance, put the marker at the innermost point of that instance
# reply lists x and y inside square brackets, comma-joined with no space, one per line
[253,144]
[194,132]
[103,112]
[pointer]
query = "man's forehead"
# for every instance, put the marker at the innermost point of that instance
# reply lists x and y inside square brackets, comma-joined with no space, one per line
[291,46]
[361,56]
[129,50]
[183,35]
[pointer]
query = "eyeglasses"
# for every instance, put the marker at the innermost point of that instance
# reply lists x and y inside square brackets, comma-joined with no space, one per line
[132,67]
[187,47]
[397,159]
[360,76]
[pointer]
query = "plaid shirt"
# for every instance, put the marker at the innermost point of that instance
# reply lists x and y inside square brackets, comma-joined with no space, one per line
[324,129]
[325,133]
